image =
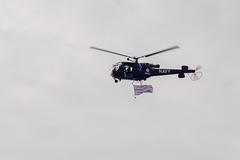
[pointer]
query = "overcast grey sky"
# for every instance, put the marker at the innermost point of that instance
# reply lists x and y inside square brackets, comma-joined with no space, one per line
[58,102]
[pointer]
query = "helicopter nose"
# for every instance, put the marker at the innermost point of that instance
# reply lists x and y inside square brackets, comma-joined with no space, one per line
[113,72]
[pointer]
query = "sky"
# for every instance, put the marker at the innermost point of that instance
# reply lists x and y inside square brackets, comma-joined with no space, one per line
[57,100]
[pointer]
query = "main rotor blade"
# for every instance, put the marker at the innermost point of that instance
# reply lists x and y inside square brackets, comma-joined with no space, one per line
[104,50]
[165,50]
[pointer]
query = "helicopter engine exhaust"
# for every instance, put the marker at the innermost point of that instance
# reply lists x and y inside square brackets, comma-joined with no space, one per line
[154,65]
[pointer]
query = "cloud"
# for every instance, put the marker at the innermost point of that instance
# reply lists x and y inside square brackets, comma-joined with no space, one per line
[59,102]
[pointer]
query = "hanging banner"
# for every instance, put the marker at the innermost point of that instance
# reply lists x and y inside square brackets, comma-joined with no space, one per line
[140,89]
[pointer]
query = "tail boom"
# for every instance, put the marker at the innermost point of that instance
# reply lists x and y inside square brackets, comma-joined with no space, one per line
[179,72]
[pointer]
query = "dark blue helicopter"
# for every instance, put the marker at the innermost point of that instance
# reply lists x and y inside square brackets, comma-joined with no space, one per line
[135,71]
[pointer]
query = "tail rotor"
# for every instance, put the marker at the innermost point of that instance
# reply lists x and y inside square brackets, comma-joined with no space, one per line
[197,74]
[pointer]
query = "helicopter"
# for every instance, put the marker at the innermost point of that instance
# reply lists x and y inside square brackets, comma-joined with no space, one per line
[133,70]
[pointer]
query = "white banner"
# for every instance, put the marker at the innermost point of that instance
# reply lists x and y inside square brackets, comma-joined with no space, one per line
[139,89]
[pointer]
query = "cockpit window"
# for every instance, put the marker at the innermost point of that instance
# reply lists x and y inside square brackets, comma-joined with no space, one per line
[127,68]
[117,65]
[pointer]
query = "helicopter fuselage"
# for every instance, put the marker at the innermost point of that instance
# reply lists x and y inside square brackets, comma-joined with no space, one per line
[142,71]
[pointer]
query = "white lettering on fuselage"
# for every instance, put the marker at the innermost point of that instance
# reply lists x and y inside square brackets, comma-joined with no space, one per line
[164,70]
